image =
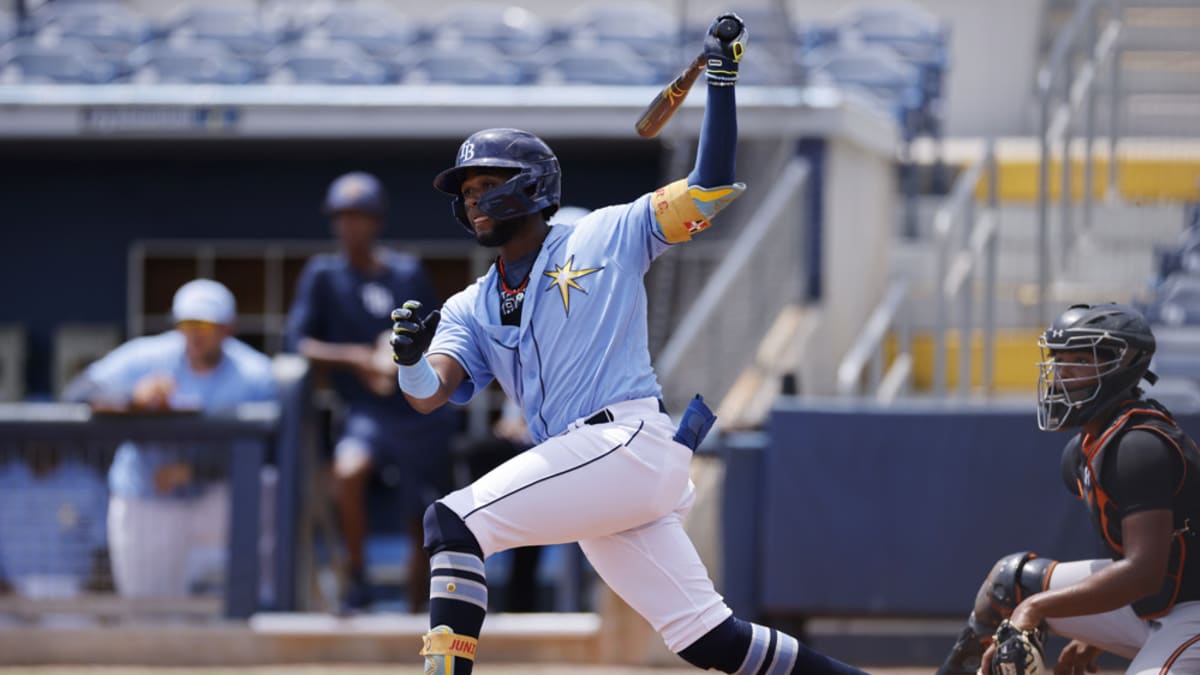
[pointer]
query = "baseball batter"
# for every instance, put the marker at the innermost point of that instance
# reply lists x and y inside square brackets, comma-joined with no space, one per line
[1139,475]
[560,322]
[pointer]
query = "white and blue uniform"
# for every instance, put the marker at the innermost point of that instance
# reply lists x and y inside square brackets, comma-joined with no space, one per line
[605,472]
[159,542]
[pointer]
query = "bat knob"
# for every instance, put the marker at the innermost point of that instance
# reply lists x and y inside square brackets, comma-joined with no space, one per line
[728,28]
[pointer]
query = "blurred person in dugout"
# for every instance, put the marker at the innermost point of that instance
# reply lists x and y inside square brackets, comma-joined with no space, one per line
[168,510]
[341,319]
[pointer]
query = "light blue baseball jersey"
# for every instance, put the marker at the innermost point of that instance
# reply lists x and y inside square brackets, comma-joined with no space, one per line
[242,375]
[582,343]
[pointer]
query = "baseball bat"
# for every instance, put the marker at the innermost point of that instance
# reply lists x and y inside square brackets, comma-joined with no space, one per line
[664,105]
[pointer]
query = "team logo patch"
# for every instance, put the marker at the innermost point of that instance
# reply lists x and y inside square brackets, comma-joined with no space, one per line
[563,278]
[377,299]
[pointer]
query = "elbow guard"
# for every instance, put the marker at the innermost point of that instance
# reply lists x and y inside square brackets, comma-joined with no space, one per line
[683,210]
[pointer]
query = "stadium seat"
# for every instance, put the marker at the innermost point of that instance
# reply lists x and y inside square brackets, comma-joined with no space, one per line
[460,65]
[878,72]
[8,27]
[511,29]
[601,65]
[1181,395]
[378,30]
[47,60]
[1177,301]
[190,63]
[325,63]
[111,28]
[919,37]
[242,30]
[652,32]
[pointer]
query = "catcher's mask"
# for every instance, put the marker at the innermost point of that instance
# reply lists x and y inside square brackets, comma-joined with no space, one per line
[537,186]
[1092,356]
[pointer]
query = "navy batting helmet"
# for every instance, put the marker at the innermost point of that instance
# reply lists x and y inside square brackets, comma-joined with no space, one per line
[1071,392]
[356,191]
[537,187]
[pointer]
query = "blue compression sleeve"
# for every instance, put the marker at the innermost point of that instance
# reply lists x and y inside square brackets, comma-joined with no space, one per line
[718,140]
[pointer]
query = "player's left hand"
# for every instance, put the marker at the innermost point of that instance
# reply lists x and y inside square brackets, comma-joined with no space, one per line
[411,335]
[1019,648]
[724,44]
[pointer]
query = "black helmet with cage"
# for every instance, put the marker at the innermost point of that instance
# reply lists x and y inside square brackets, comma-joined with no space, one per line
[1116,346]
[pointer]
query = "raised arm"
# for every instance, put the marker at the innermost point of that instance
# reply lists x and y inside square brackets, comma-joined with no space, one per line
[688,205]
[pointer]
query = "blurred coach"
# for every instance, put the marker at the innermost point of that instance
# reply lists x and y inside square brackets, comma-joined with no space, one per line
[169,506]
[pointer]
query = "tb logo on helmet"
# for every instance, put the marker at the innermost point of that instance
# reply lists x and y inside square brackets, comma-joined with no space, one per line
[466,152]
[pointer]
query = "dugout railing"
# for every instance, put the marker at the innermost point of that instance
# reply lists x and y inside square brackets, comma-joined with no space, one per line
[56,456]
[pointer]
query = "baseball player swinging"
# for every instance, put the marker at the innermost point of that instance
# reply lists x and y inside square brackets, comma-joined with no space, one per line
[1139,475]
[560,322]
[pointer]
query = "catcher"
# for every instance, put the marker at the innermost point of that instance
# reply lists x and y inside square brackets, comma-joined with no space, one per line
[1139,476]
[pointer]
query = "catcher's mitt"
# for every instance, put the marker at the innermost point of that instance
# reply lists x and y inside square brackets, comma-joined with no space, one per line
[1018,652]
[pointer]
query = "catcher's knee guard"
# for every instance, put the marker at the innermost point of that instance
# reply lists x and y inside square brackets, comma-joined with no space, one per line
[1015,577]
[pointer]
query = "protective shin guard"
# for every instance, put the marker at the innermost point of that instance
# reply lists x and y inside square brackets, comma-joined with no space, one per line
[967,654]
[746,648]
[457,606]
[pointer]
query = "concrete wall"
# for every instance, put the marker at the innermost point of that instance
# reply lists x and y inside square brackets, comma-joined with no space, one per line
[859,200]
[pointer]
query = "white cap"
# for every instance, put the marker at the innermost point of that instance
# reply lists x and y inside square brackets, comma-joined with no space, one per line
[204,300]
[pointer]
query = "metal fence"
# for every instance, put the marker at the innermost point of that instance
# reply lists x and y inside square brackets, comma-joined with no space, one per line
[759,274]
[60,524]
[1067,86]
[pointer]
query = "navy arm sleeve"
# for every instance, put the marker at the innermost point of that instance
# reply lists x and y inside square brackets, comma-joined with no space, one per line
[1144,471]
[718,140]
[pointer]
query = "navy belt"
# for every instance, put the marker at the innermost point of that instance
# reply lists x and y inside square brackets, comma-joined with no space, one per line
[604,416]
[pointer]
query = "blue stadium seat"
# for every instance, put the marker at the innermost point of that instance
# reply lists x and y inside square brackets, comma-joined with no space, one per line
[653,33]
[190,63]
[1181,395]
[919,37]
[1177,354]
[1191,216]
[1177,301]
[764,68]
[242,30]
[8,27]
[511,29]
[65,61]
[111,28]
[467,65]
[325,63]
[380,31]
[876,71]
[602,65]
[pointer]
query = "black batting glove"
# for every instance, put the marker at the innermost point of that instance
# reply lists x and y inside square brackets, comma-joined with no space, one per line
[411,335]
[724,44]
